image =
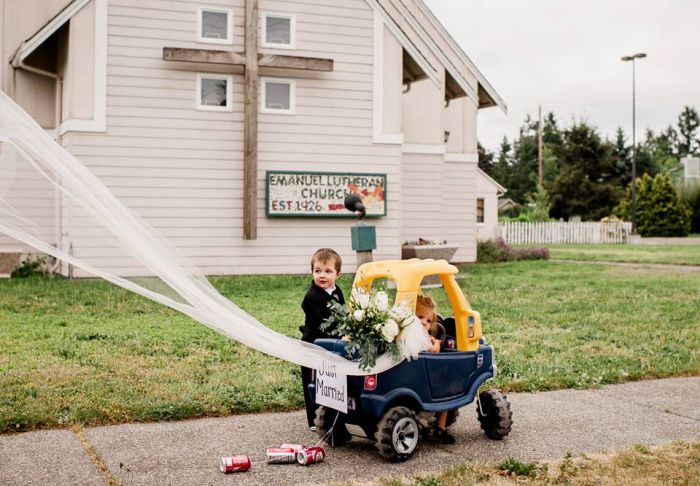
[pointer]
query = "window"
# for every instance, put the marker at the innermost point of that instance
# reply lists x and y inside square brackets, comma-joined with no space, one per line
[215,25]
[214,92]
[278,31]
[480,210]
[278,96]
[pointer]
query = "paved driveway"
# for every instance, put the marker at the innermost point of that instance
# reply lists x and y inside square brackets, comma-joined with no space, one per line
[546,426]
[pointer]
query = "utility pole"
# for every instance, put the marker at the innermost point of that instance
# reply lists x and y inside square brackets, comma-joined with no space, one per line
[540,148]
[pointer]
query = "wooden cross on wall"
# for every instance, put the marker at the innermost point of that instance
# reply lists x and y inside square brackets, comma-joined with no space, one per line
[251,60]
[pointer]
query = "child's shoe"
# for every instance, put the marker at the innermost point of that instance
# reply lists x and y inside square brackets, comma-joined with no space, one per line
[443,436]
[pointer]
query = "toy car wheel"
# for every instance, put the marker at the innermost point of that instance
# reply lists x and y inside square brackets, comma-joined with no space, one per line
[494,414]
[398,434]
[325,420]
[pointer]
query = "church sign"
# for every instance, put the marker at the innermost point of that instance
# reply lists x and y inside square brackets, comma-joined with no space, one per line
[293,193]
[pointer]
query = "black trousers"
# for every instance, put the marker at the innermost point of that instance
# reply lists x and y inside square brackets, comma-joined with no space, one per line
[311,406]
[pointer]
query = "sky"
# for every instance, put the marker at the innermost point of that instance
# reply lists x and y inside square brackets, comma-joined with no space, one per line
[565,55]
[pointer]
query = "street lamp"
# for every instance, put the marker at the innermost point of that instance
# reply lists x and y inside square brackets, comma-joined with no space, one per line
[633,204]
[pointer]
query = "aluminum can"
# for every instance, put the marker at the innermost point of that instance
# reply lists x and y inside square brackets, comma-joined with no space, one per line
[281,455]
[310,455]
[231,464]
[296,447]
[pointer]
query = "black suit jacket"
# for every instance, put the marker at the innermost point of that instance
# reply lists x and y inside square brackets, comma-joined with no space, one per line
[315,306]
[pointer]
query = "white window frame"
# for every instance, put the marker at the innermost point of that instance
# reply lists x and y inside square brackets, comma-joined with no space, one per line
[292,96]
[229,92]
[292,31]
[229,25]
[483,210]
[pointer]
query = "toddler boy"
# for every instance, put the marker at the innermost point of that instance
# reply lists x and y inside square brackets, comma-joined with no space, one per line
[325,269]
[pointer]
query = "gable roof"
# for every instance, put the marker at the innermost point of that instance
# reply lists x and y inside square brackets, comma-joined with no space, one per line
[501,190]
[30,45]
[410,21]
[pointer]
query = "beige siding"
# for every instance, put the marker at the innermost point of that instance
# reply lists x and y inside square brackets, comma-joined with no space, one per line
[438,201]
[392,83]
[78,89]
[31,196]
[422,114]
[181,169]
[29,193]
[422,198]
[459,215]
[489,192]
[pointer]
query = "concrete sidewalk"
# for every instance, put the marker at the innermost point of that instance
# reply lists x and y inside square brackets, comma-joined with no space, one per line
[546,426]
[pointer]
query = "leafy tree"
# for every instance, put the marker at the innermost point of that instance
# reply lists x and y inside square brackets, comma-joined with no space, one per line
[588,183]
[660,212]
[550,166]
[538,205]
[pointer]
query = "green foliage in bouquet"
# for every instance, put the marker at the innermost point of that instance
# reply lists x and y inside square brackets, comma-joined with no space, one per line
[368,323]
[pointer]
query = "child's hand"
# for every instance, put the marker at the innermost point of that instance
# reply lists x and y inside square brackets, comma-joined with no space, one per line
[434,345]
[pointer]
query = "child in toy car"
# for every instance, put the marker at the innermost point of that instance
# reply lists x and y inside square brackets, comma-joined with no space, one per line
[426,310]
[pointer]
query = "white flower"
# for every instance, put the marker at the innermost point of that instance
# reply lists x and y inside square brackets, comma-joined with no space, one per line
[390,330]
[401,312]
[360,297]
[382,301]
[358,314]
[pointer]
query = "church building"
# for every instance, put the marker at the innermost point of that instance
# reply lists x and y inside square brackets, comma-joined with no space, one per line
[237,127]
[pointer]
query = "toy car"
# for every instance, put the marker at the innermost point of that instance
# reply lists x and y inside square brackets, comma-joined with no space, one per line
[396,407]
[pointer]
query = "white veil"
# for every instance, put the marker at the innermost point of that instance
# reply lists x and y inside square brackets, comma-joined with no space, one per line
[30,161]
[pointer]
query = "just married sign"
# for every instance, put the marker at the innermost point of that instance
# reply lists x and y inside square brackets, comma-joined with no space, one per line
[331,387]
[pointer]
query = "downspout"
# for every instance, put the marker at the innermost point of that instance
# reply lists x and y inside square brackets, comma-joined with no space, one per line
[18,63]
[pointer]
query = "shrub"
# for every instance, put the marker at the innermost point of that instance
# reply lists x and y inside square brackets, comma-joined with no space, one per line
[691,196]
[30,267]
[660,212]
[494,251]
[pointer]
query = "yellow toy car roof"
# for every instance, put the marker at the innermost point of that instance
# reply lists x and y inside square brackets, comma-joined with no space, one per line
[407,274]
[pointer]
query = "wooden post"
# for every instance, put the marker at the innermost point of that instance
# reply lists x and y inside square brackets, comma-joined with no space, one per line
[250,130]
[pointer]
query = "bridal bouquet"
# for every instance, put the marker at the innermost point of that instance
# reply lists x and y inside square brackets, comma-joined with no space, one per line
[372,327]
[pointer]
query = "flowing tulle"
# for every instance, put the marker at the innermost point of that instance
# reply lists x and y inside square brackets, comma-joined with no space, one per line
[413,340]
[31,161]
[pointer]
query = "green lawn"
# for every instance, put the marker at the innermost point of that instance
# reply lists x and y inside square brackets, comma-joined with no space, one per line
[88,352]
[669,254]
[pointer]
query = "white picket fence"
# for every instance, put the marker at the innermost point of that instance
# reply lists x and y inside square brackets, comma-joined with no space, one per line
[516,233]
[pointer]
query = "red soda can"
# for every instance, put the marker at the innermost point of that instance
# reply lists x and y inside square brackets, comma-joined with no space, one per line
[310,455]
[231,464]
[296,447]
[281,455]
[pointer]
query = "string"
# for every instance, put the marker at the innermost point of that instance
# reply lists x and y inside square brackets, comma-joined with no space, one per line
[322,440]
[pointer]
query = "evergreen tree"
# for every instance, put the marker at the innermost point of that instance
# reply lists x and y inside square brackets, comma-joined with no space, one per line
[587,184]
[688,122]
[501,171]
[486,162]
[659,210]
[621,155]
[551,135]
[523,174]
